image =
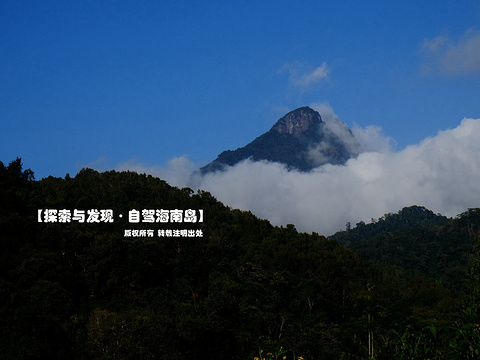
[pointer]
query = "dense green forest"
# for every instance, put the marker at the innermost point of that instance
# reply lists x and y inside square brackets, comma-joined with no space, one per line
[419,243]
[228,285]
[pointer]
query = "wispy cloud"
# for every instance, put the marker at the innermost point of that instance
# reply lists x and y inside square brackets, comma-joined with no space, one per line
[302,77]
[448,56]
[370,138]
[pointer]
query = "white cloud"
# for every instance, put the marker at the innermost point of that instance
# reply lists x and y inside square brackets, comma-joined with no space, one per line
[453,56]
[337,127]
[178,171]
[302,78]
[371,138]
[440,173]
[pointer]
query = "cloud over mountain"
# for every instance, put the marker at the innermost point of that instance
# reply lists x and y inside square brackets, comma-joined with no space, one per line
[440,173]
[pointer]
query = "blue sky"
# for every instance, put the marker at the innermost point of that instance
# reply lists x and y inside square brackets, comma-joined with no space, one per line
[102,83]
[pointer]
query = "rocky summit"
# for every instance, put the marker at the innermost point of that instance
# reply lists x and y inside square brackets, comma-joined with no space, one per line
[298,122]
[301,140]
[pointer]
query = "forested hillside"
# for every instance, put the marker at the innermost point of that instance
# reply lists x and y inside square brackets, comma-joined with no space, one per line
[418,242]
[85,276]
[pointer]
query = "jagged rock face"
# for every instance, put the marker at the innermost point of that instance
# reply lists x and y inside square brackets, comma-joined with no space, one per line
[301,140]
[298,121]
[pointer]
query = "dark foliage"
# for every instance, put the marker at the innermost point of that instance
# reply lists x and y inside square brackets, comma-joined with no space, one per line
[418,243]
[85,291]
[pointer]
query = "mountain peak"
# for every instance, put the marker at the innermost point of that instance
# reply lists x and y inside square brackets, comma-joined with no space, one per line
[300,140]
[298,121]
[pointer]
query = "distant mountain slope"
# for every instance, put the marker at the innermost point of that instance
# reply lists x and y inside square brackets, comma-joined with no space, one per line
[300,139]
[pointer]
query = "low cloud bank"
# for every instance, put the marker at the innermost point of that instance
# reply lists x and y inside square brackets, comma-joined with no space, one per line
[441,173]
